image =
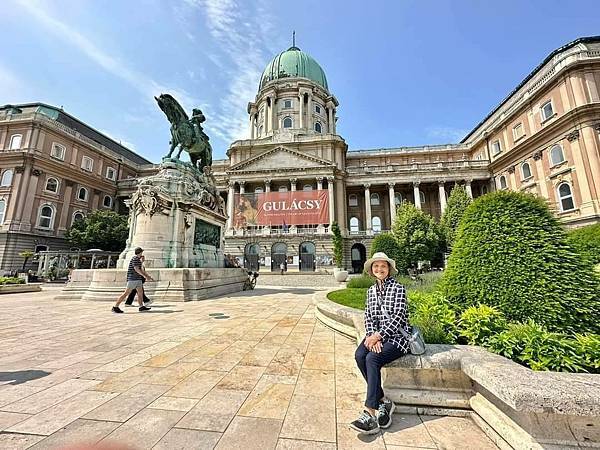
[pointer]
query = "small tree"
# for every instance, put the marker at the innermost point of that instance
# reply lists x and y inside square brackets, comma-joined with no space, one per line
[25,254]
[387,244]
[511,253]
[338,245]
[458,202]
[106,230]
[417,234]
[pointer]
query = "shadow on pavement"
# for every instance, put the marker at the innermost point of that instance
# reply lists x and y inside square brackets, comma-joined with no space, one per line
[22,376]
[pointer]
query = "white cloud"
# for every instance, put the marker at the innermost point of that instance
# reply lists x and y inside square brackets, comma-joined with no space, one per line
[127,144]
[445,133]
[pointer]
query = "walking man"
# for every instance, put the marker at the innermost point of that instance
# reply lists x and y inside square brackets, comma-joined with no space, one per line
[131,297]
[135,275]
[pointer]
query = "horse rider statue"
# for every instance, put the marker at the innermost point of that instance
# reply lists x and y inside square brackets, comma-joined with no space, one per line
[187,133]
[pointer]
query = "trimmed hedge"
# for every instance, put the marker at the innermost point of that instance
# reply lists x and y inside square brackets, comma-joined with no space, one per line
[11,280]
[587,241]
[458,202]
[511,253]
[363,281]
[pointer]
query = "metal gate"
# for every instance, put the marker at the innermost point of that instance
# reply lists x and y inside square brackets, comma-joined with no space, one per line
[278,256]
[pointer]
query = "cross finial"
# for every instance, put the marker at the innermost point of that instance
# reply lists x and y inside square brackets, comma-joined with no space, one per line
[294,38]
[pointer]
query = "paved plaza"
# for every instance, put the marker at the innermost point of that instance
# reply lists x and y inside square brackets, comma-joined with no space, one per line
[253,370]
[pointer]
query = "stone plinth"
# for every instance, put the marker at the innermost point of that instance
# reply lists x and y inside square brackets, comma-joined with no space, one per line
[170,285]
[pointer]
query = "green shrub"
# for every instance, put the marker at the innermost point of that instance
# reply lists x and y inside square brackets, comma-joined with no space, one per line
[587,347]
[458,201]
[363,281]
[387,244]
[479,323]
[11,280]
[510,252]
[426,282]
[586,240]
[338,245]
[532,345]
[354,298]
[434,316]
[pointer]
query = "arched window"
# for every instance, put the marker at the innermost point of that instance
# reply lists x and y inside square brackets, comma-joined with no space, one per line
[307,247]
[2,210]
[287,122]
[15,141]
[259,190]
[82,194]
[283,189]
[565,197]
[397,198]
[503,182]
[52,185]
[525,170]
[352,200]
[279,247]
[78,215]
[484,189]
[354,225]
[252,249]
[422,197]
[556,155]
[375,199]
[318,127]
[307,187]
[107,202]
[376,224]
[46,217]
[7,177]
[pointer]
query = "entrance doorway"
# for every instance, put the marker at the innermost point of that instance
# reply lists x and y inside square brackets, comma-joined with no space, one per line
[251,255]
[278,256]
[359,256]
[307,257]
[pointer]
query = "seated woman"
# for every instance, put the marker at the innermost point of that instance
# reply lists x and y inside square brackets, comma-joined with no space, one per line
[386,311]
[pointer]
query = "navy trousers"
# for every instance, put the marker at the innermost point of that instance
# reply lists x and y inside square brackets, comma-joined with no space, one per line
[370,364]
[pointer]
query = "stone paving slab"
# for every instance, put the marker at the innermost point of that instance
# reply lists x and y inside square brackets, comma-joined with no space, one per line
[269,377]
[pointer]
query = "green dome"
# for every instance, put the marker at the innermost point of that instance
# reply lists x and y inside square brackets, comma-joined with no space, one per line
[294,63]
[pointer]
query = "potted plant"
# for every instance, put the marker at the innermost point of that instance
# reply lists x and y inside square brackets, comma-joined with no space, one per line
[340,273]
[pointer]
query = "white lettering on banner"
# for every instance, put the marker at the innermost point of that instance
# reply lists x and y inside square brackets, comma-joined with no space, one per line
[295,205]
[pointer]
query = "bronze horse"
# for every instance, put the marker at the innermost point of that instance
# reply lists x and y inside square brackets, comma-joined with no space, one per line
[187,133]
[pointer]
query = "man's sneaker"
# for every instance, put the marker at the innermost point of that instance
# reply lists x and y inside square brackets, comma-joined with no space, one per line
[365,424]
[384,414]
[116,309]
[148,302]
[143,308]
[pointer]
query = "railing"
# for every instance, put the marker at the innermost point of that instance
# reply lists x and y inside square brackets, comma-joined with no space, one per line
[279,232]
[416,166]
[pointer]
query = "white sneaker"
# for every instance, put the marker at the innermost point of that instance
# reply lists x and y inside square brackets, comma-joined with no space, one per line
[149,302]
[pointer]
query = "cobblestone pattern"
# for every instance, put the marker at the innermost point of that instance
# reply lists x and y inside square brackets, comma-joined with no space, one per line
[267,377]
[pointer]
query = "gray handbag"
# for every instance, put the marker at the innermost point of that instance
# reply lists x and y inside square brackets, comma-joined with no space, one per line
[416,343]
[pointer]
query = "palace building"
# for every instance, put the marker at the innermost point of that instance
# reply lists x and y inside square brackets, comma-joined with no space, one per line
[295,175]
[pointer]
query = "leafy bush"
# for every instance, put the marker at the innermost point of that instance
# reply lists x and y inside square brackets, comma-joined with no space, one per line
[363,281]
[479,323]
[417,234]
[458,201]
[100,229]
[11,280]
[434,316]
[587,241]
[532,345]
[387,244]
[338,245]
[511,253]
[587,347]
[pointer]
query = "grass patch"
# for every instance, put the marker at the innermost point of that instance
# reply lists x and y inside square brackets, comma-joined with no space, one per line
[352,297]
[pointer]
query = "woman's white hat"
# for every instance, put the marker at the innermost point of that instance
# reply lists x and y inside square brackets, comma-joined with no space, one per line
[380,256]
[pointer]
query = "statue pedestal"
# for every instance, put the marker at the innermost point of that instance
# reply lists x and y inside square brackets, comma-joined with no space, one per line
[178,218]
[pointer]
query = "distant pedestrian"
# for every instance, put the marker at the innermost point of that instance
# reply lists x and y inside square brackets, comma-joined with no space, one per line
[135,277]
[132,294]
[282,267]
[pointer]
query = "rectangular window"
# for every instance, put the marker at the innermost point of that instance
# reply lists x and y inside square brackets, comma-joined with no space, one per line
[87,163]
[15,141]
[111,173]
[287,104]
[58,151]
[496,147]
[547,110]
[518,131]
[317,109]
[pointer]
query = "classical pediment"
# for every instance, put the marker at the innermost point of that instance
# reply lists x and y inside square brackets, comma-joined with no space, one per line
[280,158]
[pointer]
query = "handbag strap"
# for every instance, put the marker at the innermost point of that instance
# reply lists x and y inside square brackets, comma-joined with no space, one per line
[386,314]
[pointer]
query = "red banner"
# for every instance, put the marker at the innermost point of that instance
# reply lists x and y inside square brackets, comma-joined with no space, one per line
[281,209]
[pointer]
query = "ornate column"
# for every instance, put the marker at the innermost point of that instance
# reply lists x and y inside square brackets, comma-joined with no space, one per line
[309,116]
[468,188]
[301,99]
[417,194]
[331,200]
[64,214]
[319,183]
[29,215]
[230,202]
[268,113]
[268,185]
[242,187]
[273,114]
[293,182]
[368,223]
[333,122]
[392,196]
[330,120]
[253,112]
[442,195]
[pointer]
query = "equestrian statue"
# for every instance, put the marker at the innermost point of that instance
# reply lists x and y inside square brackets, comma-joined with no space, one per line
[187,133]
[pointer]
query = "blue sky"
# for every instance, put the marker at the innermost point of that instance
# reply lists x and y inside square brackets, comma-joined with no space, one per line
[405,72]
